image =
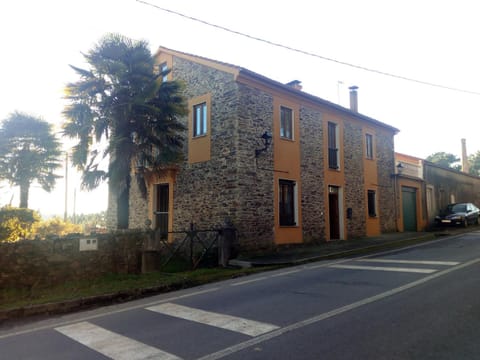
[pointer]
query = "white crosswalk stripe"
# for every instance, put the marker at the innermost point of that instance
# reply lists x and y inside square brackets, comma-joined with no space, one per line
[394,268]
[233,323]
[113,345]
[384,268]
[413,262]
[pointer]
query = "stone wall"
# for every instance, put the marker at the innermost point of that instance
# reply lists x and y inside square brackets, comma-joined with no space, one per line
[205,193]
[313,180]
[386,188]
[255,184]
[41,263]
[354,179]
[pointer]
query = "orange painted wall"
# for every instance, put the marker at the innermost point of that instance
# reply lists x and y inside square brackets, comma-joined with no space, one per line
[165,58]
[153,179]
[286,159]
[418,185]
[371,183]
[199,148]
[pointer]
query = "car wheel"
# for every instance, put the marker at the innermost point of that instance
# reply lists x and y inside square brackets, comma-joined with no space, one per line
[476,221]
[465,222]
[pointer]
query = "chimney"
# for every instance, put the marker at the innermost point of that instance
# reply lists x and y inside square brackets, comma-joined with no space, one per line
[296,84]
[465,165]
[353,98]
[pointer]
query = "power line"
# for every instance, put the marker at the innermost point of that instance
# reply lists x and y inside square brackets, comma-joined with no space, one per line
[308,53]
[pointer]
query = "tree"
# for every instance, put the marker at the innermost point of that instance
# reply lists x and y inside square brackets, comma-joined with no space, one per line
[445,159]
[122,100]
[474,163]
[29,151]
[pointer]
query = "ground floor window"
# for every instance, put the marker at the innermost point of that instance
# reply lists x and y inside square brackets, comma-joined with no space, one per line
[372,203]
[287,199]
[161,211]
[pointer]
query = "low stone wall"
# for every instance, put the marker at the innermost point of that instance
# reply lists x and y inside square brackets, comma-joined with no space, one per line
[38,263]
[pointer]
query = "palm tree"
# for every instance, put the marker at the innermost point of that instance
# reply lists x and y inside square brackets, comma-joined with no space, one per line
[29,151]
[121,101]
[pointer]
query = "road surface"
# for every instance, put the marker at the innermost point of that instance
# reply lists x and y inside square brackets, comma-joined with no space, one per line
[421,302]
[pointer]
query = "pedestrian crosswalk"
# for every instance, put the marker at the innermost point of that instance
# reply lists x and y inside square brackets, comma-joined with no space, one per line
[233,323]
[119,347]
[419,270]
[114,345]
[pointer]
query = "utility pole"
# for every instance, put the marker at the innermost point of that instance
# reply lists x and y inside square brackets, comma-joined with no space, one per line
[74,205]
[66,188]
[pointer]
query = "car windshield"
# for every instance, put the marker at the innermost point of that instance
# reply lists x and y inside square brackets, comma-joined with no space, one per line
[457,208]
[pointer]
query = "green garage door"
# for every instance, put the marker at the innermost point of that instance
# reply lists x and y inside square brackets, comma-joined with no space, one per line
[409,204]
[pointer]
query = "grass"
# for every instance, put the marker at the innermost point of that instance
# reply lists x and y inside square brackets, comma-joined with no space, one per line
[155,282]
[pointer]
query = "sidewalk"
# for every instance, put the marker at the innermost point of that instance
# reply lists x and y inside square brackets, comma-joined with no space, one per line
[294,255]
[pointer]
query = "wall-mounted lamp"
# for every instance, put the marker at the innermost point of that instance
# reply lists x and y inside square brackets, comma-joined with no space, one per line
[400,168]
[267,141]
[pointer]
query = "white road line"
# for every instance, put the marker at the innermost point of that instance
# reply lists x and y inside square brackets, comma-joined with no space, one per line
[249,281]
[419,262]
[285,273]
[301,324]
[382,268]
[233,323]
[113,345]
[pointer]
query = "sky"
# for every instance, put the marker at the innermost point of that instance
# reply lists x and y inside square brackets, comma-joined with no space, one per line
[434,42]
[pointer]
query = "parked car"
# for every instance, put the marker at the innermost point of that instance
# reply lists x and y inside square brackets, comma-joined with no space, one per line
[458,214]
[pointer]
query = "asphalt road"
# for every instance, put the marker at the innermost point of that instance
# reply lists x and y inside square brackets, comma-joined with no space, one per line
[420,302]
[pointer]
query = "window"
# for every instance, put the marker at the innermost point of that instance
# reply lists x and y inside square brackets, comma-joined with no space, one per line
[286,123]
[369,146]
[287,198]
[200,119]
[163,69]
[161,209]
[372,203]
[332,146]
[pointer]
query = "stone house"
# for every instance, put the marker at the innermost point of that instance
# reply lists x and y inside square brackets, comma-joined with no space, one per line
[281,165]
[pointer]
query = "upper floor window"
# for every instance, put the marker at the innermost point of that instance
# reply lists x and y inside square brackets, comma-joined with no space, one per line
[287,202]
[200,119]
[286,123]
[163,70]
[369,146]
[333,156]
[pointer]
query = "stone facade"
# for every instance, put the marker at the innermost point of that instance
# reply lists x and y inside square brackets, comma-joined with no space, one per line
[386,187]
[313,182]
[354,179]
[234,186]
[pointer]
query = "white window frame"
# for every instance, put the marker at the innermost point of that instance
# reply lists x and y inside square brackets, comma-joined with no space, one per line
[164,67]
[283,129]
[200,119]
[369,146]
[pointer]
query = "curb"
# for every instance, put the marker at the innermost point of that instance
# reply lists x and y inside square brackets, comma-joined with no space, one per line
[335,255]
